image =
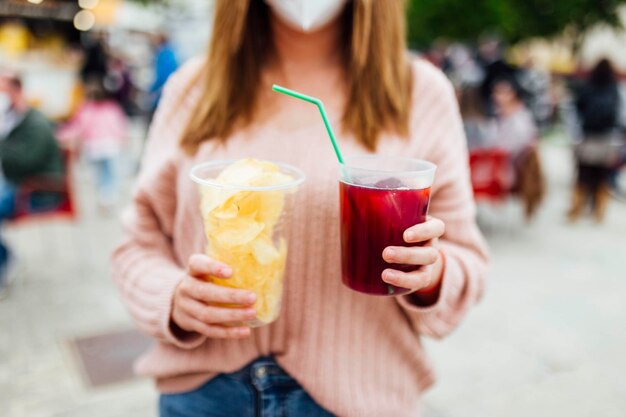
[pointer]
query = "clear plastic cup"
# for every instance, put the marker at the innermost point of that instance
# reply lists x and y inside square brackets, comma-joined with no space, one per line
[380,198]
[244,228]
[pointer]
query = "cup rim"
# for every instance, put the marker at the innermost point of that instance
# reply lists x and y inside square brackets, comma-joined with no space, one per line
[298,174]
[428,169]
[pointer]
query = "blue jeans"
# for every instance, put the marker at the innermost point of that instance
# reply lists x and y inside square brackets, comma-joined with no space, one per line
[261,389]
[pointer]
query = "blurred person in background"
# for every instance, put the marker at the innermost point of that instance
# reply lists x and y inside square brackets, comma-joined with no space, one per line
[100,127]
[331,351]
[118,83]
[537,84]
[464,70]
[598,104]
[480,129]
[495,67]
[165,64]
[28,150]
[95,63]
[516,128]
[517,133]
[438,55]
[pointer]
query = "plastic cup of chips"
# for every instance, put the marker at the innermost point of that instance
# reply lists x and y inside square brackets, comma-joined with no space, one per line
[245,207]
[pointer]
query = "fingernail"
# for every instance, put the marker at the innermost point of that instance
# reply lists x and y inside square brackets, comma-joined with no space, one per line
[409,236]
[251,298]
[389,253]
[227,271]
[251,313]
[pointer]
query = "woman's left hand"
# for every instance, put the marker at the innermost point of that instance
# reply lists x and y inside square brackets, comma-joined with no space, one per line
[427,278]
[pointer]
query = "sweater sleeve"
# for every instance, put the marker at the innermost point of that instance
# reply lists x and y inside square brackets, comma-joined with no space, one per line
[145,267]
[463,247]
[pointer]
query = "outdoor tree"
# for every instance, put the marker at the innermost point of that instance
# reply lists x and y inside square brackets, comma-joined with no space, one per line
[513,20]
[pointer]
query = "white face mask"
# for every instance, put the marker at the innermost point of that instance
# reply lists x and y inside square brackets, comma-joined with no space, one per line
[5,103]
[307,15]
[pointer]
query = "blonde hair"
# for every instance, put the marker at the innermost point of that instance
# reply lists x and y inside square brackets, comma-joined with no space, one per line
[374,54]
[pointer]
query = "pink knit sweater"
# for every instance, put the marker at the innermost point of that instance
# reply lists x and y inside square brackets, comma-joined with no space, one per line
[357,355]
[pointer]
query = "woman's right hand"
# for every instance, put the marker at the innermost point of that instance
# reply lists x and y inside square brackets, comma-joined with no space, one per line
[198,304]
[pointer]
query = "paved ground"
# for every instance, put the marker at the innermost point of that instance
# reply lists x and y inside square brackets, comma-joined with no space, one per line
[547,340]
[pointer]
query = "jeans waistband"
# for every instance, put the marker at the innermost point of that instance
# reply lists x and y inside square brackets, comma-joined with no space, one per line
[264,373]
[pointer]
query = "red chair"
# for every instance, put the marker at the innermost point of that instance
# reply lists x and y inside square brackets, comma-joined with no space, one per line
[62,185]
[491,173]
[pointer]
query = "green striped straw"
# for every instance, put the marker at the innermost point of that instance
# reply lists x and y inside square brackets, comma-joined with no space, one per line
[320,106]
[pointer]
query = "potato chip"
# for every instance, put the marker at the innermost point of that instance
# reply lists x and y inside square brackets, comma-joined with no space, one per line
[237,231]
[264,251]
[240,227]
[271,207]
[247,172]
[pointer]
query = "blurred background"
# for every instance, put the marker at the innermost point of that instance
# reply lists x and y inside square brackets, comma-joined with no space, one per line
[541,86]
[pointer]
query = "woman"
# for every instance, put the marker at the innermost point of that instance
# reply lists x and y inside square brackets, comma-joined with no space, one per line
[599,153]
[517,133]
[480,130]
[516,130]
[332,351]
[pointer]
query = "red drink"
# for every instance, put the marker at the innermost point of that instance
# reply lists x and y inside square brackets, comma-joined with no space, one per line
[371,220]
